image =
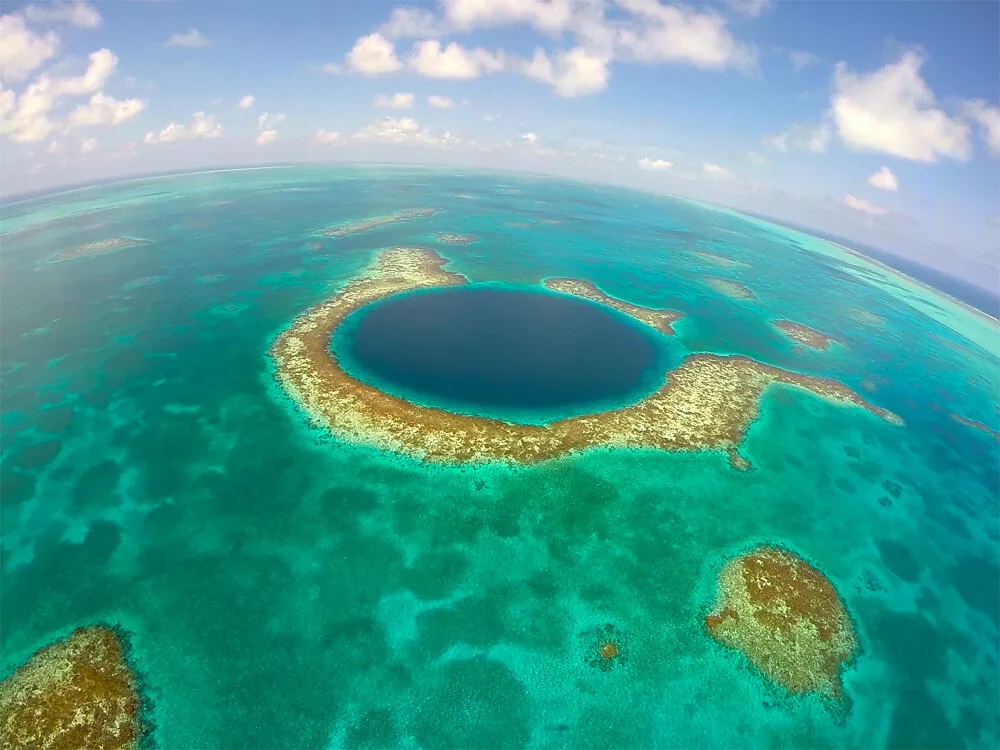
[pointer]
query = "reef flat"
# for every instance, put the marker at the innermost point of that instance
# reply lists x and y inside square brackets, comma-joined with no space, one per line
[706,403]
[455,239]
[76,693]
[786,618]
[101,247]
[363,225]
[976,425]
[804,335]
[732,289]
[661,320]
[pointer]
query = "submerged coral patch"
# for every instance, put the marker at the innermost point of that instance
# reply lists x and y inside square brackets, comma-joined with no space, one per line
[731,289]
[456,239]
[363,225]
[101,247]
[804,335]
[706,403]
[786,618]
[76,693]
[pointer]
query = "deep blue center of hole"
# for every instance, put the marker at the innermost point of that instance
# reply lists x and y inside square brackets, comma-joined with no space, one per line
[493,348]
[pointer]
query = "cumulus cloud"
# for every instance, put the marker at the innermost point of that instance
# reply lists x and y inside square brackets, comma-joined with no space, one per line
[267,136]
[988,118]
[429,58]
[441,102]
[326,136]
[88,146]
[104,110]
[573,73]
[26,118]
[77,13]
[679,34]
[53,148]
[395,101]
[860,204]
[653,165]
[372,55]
[389,129]
[749,8]
[21,49]
[190,38]
[202,127]
[246,102]
[267,121]
[717,173]
[529,137]
[884,179]
[893,111]
[813,138]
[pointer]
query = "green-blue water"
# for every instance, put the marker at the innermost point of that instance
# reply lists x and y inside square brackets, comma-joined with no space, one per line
[284,589]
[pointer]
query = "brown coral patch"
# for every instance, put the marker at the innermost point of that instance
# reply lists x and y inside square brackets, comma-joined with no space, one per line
[786,618]
[732,289]
[804,335]
[76,693]
[101,247]
[363,225]
[706,403]
[661,320]
[976,425]
[721,260]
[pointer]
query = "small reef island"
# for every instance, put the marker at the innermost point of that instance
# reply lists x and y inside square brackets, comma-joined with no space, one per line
[364,225]
[101,247]
[706,403]
[804,335]
[786,618]
[76,693]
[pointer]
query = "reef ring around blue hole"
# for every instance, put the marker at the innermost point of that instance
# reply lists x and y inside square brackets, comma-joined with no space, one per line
[514,353]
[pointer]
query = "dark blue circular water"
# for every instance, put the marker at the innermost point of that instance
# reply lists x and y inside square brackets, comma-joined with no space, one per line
[492,348]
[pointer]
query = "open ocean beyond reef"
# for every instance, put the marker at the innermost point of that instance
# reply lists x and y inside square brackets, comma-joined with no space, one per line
[285,589]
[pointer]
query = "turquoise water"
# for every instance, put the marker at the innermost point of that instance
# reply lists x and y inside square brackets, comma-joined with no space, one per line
[285,589]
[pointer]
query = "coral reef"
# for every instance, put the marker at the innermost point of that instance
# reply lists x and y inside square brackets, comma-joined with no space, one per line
[732,289]
[804,335]
[661,320]
[975,425]
[607,647]
[721,260]
[866,317]
[706,403]
[76,693]
[364,225]
[786,618]
[101,247]
[455,239]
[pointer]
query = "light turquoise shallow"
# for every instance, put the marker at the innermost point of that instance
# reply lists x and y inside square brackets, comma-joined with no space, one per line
[285,589]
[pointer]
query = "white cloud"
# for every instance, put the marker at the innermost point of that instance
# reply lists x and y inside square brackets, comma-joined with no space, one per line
[77,13]
[544,15]
[573,73]
[267,136]
[27,119]
[104,110]
[653,165]
[491,118]
[412,23]
[892,111]
[756,158]
[749,8]
[678,34]
[202,126]
[267,121]
[190,38]
[529,137]
[325,136]
[813,138]
[332,69]
[988,117]
[88,146]
[389,129]
[246,102]
[428,58]
[53,148]
[21,49]
[396,101]
[884,179]
[860,204]
[801,59]
[716,172]
[372,55]
[441,102]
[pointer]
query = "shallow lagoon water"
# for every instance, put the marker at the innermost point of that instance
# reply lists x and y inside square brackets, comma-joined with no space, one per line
[286,589]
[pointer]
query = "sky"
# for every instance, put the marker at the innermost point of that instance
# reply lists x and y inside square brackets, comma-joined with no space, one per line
[875,121]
